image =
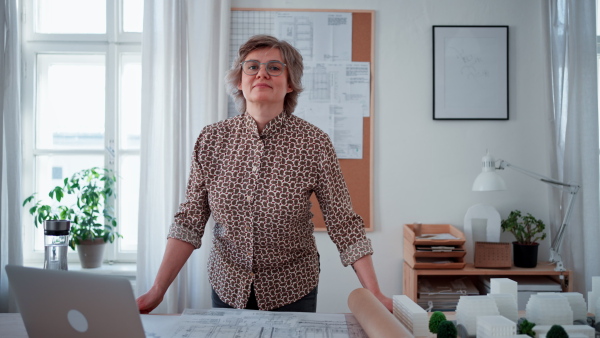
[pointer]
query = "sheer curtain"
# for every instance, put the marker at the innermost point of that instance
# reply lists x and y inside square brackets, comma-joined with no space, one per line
[184,59]
[575,117]
[10,145]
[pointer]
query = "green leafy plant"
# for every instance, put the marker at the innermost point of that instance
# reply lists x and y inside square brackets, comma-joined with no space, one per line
[447,329]
[434,321]
[526,327]
[557,331]
[526,229]
[91,188]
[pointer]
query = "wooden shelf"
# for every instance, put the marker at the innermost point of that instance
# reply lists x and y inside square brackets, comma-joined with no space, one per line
[411,276]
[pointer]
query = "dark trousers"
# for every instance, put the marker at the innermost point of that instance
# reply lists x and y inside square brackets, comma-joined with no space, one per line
[307,303]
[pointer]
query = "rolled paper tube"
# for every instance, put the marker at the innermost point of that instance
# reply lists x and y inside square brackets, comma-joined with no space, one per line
[373,317]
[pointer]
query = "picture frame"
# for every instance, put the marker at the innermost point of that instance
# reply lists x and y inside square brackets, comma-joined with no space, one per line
[470,73]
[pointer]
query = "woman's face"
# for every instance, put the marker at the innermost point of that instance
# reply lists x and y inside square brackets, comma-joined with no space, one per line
[263,88]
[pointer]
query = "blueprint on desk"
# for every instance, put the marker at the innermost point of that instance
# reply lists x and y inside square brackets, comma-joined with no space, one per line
[232,323]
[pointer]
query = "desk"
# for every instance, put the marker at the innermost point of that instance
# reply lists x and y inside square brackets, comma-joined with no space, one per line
[11,325]
[411,276]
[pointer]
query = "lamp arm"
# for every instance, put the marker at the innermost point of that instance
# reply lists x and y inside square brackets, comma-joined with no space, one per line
[573,190]
[502,164]
[556,243]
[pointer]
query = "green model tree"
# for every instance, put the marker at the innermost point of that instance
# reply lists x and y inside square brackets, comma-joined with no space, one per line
[557,331]
[526,327]
[434,321]
[446,329]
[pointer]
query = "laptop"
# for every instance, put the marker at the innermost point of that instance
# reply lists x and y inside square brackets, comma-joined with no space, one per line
[55,303]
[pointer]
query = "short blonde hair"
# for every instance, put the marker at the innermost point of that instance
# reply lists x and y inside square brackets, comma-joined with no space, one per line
[291,57]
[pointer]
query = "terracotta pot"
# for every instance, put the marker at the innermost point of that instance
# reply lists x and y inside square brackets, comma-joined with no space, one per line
[525,255]
[91,253]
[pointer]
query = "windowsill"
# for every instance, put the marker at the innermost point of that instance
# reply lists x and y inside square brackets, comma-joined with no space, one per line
[127,270]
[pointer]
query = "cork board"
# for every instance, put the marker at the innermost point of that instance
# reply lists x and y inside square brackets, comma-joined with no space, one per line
[358,173]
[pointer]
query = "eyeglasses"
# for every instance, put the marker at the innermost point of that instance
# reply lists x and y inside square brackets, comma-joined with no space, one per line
[274,68]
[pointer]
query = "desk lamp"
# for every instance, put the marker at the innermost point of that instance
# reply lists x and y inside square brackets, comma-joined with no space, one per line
[489,180]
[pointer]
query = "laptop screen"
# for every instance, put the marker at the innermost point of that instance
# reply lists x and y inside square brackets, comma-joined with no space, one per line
[55,303]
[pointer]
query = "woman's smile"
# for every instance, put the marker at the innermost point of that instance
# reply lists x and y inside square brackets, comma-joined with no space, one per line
[262,85]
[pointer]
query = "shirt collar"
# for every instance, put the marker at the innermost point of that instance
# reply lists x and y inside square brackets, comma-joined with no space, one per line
[272,126]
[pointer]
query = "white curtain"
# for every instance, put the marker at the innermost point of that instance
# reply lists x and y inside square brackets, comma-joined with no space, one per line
[184,60]
[575,117]
[10,145]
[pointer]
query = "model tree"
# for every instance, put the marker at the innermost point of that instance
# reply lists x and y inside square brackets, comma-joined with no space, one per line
[436,318]
[446,329]
[557,331]
[526,327]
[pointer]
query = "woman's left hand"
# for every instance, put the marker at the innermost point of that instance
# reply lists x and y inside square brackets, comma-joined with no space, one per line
[386,301]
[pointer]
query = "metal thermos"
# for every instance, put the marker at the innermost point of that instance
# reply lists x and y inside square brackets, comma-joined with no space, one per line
[56,241]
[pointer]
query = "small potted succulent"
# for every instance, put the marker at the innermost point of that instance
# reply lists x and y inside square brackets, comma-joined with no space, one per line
[91,188]
[527,230]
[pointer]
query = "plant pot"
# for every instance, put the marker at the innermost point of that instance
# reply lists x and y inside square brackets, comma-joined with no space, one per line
[91,253]
[525,255]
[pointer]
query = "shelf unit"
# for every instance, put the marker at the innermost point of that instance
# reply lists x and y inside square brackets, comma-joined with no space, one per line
[411,276]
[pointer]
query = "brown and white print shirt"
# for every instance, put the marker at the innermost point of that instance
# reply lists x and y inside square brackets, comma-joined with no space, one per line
[257,188]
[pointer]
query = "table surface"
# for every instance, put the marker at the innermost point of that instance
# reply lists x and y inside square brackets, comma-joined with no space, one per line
[11,325]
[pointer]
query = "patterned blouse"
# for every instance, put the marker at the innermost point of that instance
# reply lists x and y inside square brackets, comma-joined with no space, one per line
[257,188]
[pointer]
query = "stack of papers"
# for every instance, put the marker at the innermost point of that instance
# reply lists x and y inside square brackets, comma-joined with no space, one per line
[227,323]
[441,293]
[442,236]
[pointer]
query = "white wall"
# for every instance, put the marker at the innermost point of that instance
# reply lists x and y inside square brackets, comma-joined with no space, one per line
[423,168]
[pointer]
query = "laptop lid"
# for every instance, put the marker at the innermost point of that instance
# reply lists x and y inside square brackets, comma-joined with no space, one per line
[56,303]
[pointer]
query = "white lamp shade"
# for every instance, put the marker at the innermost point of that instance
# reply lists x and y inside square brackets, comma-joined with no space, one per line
[489,181]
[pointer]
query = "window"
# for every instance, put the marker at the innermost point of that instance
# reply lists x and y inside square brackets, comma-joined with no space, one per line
[81,104]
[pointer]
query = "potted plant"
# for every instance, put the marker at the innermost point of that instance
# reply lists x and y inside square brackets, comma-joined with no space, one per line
[527,231]
[91,188]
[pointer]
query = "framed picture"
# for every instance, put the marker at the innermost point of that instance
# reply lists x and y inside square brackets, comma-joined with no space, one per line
[470,72]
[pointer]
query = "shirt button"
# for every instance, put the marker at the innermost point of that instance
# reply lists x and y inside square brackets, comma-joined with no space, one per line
[249,198]
[254,169]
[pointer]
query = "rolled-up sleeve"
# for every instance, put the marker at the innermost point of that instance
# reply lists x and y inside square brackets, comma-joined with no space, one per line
[345,227]
[190,221]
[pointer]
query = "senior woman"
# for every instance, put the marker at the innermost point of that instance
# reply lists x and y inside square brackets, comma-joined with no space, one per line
[254,173]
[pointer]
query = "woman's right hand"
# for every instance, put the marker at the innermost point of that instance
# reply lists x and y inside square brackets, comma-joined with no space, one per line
[149,301]
[176,254]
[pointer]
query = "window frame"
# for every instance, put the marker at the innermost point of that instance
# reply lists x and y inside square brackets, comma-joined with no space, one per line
[111,45]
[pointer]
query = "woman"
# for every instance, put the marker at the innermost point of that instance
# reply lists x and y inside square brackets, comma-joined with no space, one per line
[254,173]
